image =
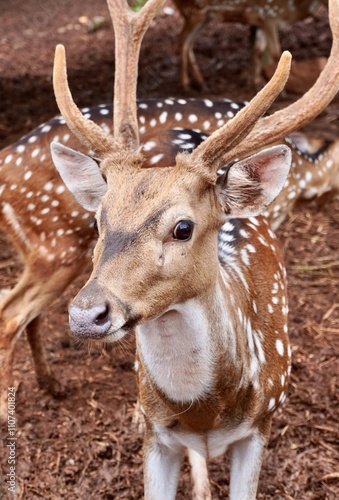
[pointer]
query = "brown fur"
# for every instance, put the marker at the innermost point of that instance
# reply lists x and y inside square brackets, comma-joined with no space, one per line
[63,270]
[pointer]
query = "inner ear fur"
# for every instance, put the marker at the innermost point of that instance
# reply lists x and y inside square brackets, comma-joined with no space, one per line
[81,175]
[250,185]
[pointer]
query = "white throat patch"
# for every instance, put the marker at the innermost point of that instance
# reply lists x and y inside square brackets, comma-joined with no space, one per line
[176,349]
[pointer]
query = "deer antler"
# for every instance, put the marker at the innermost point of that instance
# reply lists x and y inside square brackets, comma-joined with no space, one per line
[88,132]
[129,28]
[234,131]
[272,128]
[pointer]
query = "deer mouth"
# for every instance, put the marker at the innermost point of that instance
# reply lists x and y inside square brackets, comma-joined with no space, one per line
[100,323]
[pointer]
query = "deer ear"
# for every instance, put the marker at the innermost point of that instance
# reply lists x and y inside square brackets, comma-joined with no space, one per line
[81,175]
[250,185]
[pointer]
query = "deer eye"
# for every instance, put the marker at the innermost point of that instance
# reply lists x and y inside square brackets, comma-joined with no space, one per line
[183,230]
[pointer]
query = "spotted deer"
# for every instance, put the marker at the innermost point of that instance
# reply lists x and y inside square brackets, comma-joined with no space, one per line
[185,258]
[266,15]
[54,235]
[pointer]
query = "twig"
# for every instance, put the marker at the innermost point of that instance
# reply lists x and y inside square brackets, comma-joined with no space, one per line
[331,475]
[330,311]
[326,428]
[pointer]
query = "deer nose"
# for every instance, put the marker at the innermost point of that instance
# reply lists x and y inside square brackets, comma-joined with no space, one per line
[91,323]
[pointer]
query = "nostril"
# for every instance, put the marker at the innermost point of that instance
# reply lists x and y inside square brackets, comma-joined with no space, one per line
[103,317]
[93,322]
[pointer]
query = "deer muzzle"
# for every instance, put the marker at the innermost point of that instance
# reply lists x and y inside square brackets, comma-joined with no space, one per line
[93,316]
[92,323]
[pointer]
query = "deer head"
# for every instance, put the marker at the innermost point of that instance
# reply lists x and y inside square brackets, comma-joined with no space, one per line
[158,227]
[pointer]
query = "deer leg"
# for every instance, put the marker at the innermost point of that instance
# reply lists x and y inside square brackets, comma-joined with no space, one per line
[161,468]
[268,52]
[11,330]
[199,475]
[246,458]
[37,288]
[193,25]
[6,367]
[258,46]
[45,377]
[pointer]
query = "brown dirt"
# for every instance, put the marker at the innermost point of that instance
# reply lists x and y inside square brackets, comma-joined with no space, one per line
[85,446]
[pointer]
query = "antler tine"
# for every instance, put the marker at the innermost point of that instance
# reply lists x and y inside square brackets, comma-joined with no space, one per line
[298,114]
[88,132]
[129,29]
[231,134]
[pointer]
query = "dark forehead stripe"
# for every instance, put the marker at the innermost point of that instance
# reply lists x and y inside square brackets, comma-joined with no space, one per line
[118,241]
[140,189]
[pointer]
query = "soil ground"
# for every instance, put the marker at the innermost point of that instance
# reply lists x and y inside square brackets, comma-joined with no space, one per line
[86,446]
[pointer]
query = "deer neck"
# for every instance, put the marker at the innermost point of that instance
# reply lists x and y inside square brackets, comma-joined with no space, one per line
[184,348]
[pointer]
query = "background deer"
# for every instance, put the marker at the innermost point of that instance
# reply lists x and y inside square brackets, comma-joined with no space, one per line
[266,15]
[186,269]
